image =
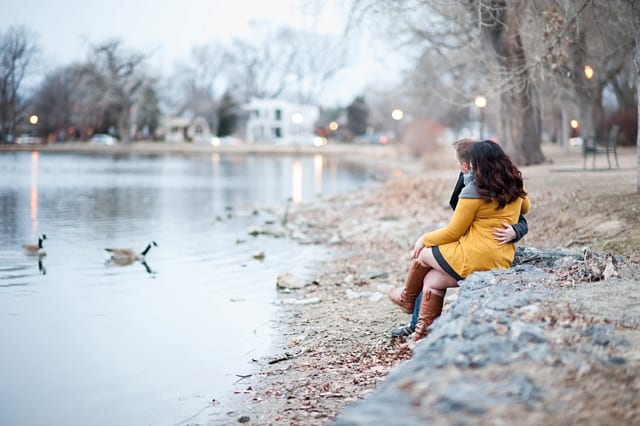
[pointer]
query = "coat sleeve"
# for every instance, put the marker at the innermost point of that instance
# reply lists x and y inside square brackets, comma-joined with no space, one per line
[521,228]
[463,215]
[455,195]
[526,205]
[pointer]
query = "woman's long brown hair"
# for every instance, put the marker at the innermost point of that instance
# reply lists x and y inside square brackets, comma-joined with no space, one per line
[495,174]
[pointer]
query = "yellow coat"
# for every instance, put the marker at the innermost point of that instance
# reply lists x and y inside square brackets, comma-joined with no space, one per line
[467,243]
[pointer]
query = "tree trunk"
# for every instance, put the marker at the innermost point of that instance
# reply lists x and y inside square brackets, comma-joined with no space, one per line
[584,100]
[635,10]
[520,126]
[637,61]
[520,129]
[124,126]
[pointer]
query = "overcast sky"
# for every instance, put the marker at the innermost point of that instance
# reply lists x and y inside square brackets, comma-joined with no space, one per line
[170,28]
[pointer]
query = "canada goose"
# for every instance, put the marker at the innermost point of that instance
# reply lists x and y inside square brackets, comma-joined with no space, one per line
[128,256]
[35,249]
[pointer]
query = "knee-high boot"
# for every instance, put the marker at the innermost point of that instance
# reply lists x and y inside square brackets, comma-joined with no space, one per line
[430,309]
[406,298]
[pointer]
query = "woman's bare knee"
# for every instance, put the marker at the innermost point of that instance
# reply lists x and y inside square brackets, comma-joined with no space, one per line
[438,281]
[426,258]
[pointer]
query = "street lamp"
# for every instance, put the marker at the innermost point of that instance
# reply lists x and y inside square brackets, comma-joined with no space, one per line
[297,119]
[33,121]
[481,103]
[397,115]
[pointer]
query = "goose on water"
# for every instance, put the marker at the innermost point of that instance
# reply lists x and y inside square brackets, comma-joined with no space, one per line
[35,249]
[128,256]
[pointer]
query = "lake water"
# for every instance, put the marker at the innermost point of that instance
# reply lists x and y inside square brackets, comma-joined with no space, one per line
[85,341]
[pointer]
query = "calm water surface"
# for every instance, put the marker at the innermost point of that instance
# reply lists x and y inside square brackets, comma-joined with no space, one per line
[88,342]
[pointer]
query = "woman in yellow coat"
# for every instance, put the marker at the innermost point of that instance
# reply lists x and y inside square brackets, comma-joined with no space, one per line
[493,195]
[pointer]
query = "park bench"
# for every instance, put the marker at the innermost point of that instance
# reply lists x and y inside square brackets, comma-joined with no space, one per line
[594,145]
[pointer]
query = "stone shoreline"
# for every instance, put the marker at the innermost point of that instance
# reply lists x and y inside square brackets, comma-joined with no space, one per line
[506,352]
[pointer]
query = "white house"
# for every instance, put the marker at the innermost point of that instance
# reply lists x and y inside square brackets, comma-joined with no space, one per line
[181,129]
[280,121]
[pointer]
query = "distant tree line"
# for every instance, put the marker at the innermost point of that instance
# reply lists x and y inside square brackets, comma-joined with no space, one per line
[113,90]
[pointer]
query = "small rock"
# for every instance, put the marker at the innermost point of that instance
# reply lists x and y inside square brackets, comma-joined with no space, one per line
[376,296]
[356,294]
[289,281]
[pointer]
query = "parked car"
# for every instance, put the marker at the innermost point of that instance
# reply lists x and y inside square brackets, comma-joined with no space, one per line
[208,139]
[374,138]
[28,139]
[103,139]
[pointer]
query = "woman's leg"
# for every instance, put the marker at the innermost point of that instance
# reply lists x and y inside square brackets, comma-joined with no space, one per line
[406,298]
[436,282]
[426,257]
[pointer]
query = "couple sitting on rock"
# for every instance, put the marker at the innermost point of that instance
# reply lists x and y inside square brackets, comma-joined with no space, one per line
[489,201]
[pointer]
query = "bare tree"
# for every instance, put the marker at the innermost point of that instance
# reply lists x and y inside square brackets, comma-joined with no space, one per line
[201,81]
[109,85]
[317,59]
[260,66]
[148,113]
[634,15]
[488,35]
[599,58]
[18,50]
[609,42]
[53,101]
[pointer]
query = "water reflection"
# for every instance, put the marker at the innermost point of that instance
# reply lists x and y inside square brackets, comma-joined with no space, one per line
[144,263]
[296,182]
[41,267]
[33,198]
[104,331]
[317,173]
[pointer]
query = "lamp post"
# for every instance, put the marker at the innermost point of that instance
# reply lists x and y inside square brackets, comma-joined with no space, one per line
[574,129]
[588,113]
[481,103]
[297,119]
[397,114]
[33,121]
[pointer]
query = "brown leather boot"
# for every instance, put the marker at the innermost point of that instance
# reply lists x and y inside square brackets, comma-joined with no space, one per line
[406,298]
[430,309]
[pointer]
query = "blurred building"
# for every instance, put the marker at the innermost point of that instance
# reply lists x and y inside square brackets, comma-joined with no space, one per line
[280,121]
[183,129]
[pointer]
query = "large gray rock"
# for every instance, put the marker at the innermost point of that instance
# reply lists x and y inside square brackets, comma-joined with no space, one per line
[472,360]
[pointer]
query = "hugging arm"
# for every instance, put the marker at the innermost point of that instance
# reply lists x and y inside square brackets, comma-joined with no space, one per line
[512,233]
[521,228]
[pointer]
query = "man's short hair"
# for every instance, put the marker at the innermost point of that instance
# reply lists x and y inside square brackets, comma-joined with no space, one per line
[463,148]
